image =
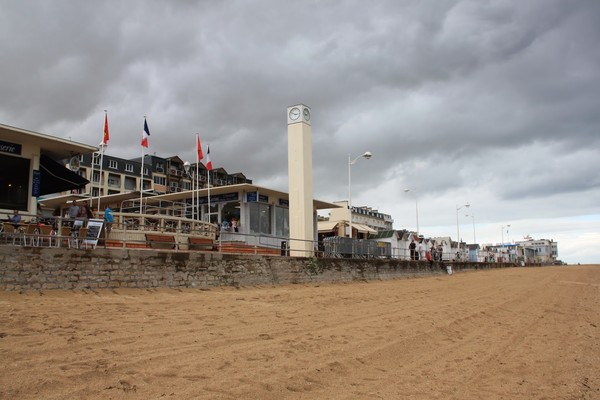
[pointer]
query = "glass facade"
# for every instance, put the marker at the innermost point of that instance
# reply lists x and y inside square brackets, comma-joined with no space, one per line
[260,218]
[282,222]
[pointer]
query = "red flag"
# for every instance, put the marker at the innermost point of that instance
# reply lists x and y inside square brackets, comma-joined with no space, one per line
[146,134]
[199,148]
[106,135]
[208,162]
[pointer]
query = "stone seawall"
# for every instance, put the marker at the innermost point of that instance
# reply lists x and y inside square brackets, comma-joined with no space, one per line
[37,268]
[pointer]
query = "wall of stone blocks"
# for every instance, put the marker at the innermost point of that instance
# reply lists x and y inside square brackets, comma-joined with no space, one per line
[38,268]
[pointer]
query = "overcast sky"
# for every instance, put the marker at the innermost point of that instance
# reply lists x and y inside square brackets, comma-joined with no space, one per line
[491,103]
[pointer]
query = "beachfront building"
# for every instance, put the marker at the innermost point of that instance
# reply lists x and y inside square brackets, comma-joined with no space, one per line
[31,168]
[109,175]
[540,250]
[365,220]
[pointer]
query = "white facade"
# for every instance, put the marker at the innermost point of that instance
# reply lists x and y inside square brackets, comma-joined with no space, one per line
[362,215]
[541,250]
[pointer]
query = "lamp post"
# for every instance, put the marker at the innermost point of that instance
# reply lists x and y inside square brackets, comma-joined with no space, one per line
[502,231]
[457,226]
[186,168]
[367,155]
[416,206]
[103,145]
[473,218]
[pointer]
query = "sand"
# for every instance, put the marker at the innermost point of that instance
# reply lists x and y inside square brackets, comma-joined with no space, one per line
[519,333]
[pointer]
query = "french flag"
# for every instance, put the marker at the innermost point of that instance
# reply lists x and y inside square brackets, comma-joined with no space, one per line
[146,134]
[208,162]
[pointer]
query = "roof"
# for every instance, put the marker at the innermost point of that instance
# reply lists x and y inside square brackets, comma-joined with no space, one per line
[52,146]
[242,187]
[363,228]
[326,226]
[383,234]
[59,201]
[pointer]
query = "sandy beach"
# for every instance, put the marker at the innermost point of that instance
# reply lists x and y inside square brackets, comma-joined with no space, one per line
[518,333]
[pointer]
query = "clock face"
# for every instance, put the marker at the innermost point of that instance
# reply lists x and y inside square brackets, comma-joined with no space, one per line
[306,114]
[294,113]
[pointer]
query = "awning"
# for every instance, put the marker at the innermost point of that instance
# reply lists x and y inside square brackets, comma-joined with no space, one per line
[363,228]
[327,226]
[55,178]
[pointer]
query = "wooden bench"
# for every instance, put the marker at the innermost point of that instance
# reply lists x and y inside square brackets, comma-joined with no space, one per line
[161,241]
[199,243]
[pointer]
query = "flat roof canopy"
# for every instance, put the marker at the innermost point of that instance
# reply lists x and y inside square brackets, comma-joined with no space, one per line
[242,187]
[54,147]
[53,202]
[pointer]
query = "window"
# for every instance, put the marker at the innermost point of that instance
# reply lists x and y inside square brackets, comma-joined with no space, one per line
[160,180]
[260,218]
[14,186]
[114,180]
[130,183]
[282,222]
[128,167]
[112,164]
[96,159]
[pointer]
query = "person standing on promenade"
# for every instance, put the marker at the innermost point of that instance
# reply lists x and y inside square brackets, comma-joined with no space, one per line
[412,246]
[108,219]
[74,210]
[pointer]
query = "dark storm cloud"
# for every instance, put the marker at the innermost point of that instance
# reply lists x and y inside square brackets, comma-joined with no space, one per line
[448,95]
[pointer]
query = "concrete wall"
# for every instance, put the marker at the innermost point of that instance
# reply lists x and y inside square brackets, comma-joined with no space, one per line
[36,268]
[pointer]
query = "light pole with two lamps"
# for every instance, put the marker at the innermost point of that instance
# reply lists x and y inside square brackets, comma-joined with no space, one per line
[367,155]
[416,206]
[186,168]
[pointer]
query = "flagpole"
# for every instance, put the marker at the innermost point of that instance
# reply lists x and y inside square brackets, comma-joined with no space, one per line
[102,146]
[100,177]
[208,180]
[196,193]
[195,200]
[92,180]
[142,169]
[141,180]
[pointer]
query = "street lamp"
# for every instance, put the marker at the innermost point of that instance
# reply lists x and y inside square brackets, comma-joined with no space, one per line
[186,168]
[457,227]
[473,218]
[103,145]
[416,206]
[367,155]
[502,231]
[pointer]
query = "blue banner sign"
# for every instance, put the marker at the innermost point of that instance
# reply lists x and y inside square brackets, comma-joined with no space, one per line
[35,184]
[220,198]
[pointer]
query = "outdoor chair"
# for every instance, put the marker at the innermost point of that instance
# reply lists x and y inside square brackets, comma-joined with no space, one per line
[30,235]
[46,234]
[80,239]
[9,232]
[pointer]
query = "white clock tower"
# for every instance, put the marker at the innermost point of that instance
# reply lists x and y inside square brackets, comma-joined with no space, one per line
[300,181]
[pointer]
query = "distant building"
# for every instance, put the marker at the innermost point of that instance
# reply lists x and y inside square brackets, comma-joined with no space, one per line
[540,250]
[362,217]
[113,175]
